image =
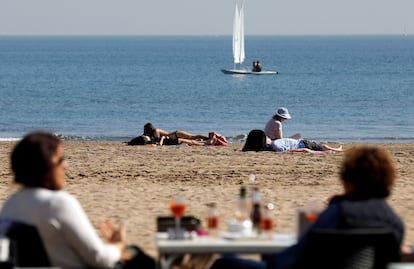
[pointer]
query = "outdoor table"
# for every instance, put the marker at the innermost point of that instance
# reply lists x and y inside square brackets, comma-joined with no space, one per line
[222,245]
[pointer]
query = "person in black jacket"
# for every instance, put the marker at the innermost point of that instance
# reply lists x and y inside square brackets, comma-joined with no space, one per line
[367,175]
[256,66]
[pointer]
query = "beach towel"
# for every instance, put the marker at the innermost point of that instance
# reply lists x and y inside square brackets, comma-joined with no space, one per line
[220,139]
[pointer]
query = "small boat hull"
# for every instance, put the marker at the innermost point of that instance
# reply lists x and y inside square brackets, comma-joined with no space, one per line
[248,72]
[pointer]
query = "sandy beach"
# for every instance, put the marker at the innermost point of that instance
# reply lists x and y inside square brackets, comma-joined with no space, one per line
[119,182]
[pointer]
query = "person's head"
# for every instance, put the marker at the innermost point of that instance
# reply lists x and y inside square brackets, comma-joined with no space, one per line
[282,113]
[149,129]
[38,161]
[368,172]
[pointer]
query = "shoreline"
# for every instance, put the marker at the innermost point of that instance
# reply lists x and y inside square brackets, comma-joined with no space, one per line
[119,182]
[234,140]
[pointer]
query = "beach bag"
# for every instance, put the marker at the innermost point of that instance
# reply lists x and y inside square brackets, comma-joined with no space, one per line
[256,141]
[220,139]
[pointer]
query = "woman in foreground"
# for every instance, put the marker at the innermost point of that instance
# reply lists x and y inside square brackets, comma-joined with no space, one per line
[367,175]
[69,238]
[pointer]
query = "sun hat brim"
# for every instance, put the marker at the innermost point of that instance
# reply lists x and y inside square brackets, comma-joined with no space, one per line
[285,116]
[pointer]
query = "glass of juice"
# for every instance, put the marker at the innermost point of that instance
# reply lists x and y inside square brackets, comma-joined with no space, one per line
[212,220]
[266,221]
[178,206]
[313,208]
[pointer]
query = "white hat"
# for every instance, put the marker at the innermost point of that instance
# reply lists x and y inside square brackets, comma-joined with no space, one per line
[283,112]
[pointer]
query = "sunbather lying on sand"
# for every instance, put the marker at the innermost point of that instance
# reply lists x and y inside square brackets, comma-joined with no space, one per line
[153,132]
[165,140]
[301,145]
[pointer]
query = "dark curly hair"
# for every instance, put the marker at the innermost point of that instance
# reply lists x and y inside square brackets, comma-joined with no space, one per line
[31,158]
[369,170]
[149,129]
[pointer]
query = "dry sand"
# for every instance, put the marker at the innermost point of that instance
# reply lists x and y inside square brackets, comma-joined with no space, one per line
[119,182]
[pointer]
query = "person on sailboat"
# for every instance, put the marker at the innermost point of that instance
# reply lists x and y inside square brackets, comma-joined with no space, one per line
[273,128]
[256,66]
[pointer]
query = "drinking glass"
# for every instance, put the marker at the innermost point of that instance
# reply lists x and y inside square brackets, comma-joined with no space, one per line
[212,220]
[266,221]
[313,208]
[178,206]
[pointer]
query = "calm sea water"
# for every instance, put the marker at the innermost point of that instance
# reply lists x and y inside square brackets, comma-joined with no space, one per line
[353,88]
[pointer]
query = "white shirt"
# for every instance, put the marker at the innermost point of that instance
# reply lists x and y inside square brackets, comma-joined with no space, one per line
[70,240]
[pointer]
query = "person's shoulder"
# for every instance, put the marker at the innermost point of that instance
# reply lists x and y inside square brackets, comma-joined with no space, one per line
[273,121]
[65,196]
[160,132]
[62,199]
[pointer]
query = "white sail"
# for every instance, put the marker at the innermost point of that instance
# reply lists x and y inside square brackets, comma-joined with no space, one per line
[238,34]
[238,45]
[242,55]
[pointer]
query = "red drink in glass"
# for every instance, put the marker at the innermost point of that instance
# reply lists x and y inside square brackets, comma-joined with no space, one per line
[266,224]
[312,209]
[212,222]
[311,217]
[178,210]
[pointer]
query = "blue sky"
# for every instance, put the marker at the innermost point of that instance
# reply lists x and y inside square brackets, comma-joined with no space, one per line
[209,17]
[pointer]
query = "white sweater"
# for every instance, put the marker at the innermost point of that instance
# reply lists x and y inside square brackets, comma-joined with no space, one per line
[70,240]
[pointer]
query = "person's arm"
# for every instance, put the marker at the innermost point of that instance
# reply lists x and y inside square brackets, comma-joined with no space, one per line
[279,133]
[161,141]
[302,150]
[80,234]
[116,236]
[278,130]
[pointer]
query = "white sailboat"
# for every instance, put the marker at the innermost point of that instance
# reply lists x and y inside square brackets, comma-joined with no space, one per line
[238,45]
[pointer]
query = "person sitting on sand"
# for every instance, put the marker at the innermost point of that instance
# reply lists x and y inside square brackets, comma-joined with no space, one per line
[300,145]
[152,132]
[69,238]
[367,175]
[273,128]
